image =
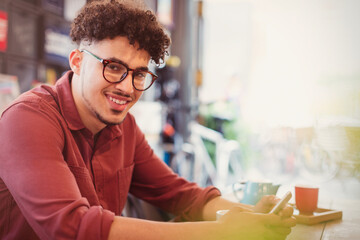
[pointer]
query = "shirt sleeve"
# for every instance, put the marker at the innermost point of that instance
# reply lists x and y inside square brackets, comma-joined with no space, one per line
[37,176]
[156,183]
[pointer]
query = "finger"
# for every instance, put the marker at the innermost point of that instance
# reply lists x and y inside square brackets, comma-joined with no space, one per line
[275,220]
[269,200]
[265,204]
[270,219]
[282,230]
[287,211]
[289,222]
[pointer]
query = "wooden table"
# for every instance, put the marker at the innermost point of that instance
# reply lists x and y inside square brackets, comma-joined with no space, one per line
[347,228]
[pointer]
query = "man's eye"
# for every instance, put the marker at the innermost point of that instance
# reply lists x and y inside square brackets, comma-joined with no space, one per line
[140,75]
[115,67]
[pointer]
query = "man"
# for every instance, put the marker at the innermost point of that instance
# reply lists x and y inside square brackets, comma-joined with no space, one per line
[71,153]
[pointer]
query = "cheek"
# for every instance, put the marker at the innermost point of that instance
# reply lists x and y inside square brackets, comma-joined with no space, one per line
[137,94]
[92,88]
[93,75]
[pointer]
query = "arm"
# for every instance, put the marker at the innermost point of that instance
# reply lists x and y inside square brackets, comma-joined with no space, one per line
[134,229]
[240,223]
[263,206]
[232,226]
[38,177]
[153,181]
[220,203]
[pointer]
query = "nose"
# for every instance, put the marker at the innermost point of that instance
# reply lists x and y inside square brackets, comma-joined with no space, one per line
[126,84]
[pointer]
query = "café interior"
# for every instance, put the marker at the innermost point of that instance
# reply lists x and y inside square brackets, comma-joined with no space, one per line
[251,91]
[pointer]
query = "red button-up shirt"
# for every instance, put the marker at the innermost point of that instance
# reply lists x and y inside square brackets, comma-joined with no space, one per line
[57,183]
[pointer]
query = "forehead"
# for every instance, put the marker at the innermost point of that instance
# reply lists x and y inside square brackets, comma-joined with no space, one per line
[119,48]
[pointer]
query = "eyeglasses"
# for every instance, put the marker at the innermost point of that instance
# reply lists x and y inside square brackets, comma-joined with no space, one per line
[115,72]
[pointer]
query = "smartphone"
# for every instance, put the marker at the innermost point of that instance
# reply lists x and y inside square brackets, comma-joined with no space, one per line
[281,204]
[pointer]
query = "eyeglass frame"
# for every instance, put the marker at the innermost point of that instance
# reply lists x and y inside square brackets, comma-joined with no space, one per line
[107,61]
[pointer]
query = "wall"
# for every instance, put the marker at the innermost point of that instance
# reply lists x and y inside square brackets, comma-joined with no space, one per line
[285,62]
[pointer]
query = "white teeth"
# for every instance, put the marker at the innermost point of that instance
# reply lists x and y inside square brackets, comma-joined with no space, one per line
[117,101]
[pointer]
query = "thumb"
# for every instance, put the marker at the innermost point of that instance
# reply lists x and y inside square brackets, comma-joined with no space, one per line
[275,220]
[271,219]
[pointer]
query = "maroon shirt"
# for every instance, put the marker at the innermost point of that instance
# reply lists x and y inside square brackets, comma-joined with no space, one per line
[57,183]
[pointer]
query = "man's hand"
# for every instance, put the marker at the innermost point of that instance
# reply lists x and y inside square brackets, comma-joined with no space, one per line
[249,222]
[237,224]
[268,202]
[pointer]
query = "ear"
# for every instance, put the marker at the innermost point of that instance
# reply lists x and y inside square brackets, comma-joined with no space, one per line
[75,59]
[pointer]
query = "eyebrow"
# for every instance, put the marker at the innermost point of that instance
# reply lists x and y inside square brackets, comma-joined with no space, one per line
[125,64]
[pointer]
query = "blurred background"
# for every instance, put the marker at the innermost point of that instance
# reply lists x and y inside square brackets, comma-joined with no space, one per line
[251,90]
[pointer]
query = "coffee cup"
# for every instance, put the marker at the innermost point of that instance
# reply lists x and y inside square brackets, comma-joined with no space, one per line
[306,199]
[253,191]
[220,213]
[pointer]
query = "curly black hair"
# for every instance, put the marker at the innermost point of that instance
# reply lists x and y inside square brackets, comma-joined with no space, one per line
[107,19]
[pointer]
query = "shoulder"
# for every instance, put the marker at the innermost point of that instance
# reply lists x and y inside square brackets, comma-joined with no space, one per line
[40,96]
[34,111]
[40,99]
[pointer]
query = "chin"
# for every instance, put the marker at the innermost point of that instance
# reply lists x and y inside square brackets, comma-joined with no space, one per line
[113,120]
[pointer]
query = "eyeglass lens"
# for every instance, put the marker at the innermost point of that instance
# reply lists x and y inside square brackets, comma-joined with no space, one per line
[115,72]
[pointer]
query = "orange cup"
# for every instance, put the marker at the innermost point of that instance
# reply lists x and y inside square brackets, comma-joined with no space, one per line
[306,199]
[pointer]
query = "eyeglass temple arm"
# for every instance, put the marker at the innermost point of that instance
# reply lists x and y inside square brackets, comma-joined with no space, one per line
[86,51]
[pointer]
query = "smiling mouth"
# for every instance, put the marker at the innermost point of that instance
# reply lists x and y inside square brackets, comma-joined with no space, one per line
[117,101]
